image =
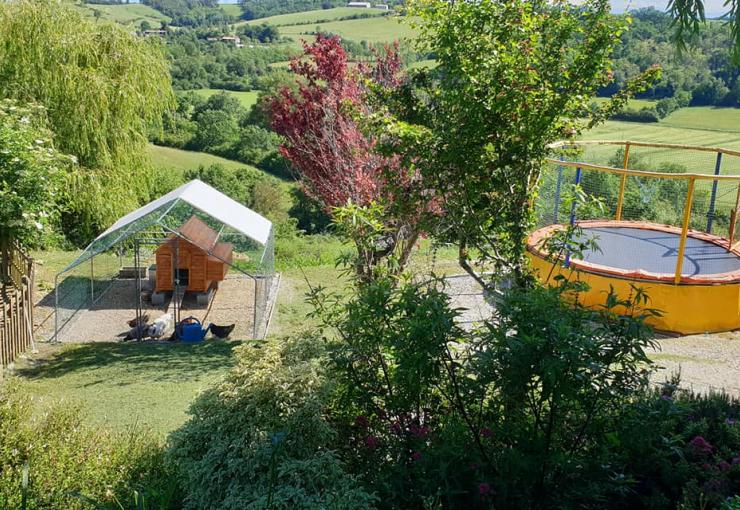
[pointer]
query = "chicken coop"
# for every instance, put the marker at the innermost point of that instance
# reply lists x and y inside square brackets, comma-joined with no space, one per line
[200,260]
[192,252]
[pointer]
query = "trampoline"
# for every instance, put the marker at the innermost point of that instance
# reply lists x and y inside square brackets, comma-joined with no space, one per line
[705,298]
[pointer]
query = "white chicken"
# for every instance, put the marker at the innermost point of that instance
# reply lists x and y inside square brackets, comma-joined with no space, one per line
[157,328]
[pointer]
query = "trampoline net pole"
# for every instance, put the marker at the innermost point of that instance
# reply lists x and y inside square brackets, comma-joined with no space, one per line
[713,199]
[684,230]
[623,182]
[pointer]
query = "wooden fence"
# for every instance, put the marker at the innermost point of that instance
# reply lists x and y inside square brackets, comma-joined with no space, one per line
[16,301]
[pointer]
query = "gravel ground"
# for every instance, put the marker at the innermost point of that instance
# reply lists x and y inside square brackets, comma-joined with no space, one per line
[708,362]
[232,303]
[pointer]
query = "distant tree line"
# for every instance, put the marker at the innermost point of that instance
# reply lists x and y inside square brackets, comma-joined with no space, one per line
[191,13]
[705,73]
[199,63]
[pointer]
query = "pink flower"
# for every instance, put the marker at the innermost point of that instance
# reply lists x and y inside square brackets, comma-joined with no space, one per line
[724,465]
[361,422]
[416,456]
[372,442]
[484,489]
[706,466]
[486,432]
[701,446]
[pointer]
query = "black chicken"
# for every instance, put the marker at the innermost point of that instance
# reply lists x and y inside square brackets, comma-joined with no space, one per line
[221,331]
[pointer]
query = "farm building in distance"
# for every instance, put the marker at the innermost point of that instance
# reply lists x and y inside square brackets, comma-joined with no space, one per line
[362,5]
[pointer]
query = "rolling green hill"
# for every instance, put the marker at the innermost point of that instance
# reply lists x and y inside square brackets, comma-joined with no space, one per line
[180,160]
[247,99]
[373,30]
[319,15]
[130,15]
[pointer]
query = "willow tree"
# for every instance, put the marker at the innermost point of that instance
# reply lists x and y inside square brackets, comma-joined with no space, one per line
[103,88]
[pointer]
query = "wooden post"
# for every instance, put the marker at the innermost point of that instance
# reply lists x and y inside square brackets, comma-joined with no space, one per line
[623,182]
[684,230]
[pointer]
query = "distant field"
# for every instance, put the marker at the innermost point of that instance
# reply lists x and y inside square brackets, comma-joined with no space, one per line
[232,9]
[179,160]
[706,117]
[247,99]
[131,14]
[633,103]
[372,30]
[313,16]
[700,162]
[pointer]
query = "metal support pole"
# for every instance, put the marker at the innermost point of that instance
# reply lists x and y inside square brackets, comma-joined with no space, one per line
[713,199]
[56,308]
[623,182]
[573,212]
[684,230]
[557,193]
[92,282]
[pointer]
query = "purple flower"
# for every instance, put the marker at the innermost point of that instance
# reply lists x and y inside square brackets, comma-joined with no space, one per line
[361,422]
[484,489]
[666,398]
[417,431]
[735,460]
[724,465]
[372,442]
[730,421]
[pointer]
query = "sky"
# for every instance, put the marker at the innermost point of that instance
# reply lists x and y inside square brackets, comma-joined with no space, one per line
[712,8]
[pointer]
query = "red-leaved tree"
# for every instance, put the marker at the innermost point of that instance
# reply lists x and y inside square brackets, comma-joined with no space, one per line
[337,161]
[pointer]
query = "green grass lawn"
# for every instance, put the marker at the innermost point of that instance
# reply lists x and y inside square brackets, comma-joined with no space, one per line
[180,160]
[372,30]
[312,16]
[124,385]
[132,14]
[246,98]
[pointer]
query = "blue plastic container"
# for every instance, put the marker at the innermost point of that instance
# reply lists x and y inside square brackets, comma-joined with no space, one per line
[190,330]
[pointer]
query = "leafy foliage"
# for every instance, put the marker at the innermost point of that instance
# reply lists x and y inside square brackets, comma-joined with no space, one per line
[64,459]
[337,161]
[513,76]
[102,88]
[31,175]
[274,444]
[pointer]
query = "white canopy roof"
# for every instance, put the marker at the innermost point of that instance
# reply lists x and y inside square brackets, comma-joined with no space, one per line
[211,202]
[199,196]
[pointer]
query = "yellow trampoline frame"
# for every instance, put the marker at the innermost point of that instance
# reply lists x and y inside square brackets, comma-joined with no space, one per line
[687,306]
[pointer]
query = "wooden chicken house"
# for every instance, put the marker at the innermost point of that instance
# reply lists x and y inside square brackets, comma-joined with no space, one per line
[202,261]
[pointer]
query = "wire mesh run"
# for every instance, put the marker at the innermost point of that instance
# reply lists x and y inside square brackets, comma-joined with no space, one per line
[114,280]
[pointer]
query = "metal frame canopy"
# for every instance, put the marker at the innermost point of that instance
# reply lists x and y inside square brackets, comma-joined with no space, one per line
[160,212]
[251,235]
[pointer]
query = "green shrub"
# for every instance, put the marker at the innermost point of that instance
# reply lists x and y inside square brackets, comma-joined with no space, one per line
[517,414]
[647,114]
[65,459]
[262,440]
